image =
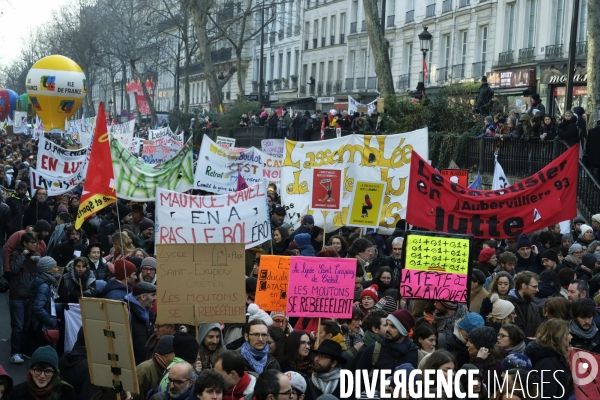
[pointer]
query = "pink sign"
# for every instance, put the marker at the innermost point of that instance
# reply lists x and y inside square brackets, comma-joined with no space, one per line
[321,287]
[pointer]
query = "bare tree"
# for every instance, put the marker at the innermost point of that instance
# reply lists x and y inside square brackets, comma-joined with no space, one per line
[379,47]
[593,60]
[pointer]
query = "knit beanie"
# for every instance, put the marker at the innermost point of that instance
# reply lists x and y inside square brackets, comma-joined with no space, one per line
[45,355]
[185,346]
[574,247]
[596,217]
[478,275]
[145,224]
[275,314]
[566,236]
[486,254]
[41,226]
[523,241]
[148,262]
[449,305]
[470,322]
[585,228]
[516,360]
[403,320]
[257,314]
[484,336]
[387,303]
[165,345]
[501,308]
[550,255]
[45,264]
[589,260]
[123,269]
[371,291]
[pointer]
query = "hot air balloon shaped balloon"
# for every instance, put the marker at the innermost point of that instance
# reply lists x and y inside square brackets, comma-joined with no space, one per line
[8,103]
[56,86]
[23,102]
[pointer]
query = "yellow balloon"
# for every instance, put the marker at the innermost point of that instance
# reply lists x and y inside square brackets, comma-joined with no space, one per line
[56,86]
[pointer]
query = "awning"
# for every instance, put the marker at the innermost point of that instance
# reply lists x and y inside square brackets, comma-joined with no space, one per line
[303,101]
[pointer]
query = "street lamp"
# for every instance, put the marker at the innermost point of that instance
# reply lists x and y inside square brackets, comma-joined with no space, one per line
[425,38]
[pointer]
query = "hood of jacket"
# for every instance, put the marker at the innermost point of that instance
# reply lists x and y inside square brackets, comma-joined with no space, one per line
[87,278]
[535,352]
[113,285]
[73,357]
[302,239]
[203,330]
[546,290]
[4,374]
[137,309]
[35,284]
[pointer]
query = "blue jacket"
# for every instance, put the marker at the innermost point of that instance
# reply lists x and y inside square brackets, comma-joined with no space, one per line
[41,293]
[114,290]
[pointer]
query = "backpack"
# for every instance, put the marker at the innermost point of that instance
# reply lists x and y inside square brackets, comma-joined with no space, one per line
[375,357]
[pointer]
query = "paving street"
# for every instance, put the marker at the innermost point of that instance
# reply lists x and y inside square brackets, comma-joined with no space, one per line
[16,371]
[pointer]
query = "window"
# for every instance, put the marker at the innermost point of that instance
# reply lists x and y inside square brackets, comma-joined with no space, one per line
[558,29]
[332,30]
[484,38]
[408,58]
[582,34]
[296,62]
[288,64]
[280,66]
[323,31]
[315,33]
[342,28]
[531,23]
[272,67]
[447,50]
[391,55]
[340,70]
[352,63]
[463,50]
[511,26]
[364,56]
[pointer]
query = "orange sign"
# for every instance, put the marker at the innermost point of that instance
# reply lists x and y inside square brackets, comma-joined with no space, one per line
[272,283]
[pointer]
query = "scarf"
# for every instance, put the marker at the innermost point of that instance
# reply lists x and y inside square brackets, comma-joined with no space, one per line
[51,280]
[370,337]
[237,391]
[256,358]
[572,260]
[441,321]
[138,309]
[396,274]
[52,391]
[577,331]
[339,338]
[458,335]
[326,382]
[520,348]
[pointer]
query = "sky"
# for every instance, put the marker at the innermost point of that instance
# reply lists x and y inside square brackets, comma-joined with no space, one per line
[17,17]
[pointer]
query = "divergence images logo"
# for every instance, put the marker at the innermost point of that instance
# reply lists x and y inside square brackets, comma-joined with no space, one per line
[585,368]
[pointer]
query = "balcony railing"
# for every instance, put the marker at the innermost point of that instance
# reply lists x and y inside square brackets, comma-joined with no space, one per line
[332,40]
[372,82]
[410,16]
[363,26]
[306,44]
[404,82]
[337,87]
[478,69]
[342,38]
[303,89]
[459,71]
[311,89]
[390,20]
[349,85]
[527,55]
[442,75]
[360,83]
[506,58]
[554,51]
[353,27]
[581,48]
[328,86]
[315,43]
[464,3]
[319,88]
[323,42]
[446,6]
[430,11]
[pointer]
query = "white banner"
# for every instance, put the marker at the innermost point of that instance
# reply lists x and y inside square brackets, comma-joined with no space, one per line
[225,142]
[59,162]
[239,217]
[159,150]
[273,147]
[81,130]
[54,185]
[500,181]
[124,133]
[154,134]
[377,158]
[353,106]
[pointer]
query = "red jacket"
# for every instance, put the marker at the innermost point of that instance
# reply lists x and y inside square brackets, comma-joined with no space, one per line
[12,243]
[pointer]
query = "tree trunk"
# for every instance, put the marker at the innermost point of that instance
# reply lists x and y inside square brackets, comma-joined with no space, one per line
[186,81]
[145,92]
[379,47]
[240,78]
[127,99]
[593,60]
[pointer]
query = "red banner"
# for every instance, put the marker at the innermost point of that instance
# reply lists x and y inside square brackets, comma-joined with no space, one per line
[541,200]
[142,104]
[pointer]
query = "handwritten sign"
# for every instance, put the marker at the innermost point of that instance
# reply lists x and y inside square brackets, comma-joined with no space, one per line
[460,175]
[326,189]
[225,142]
[321,287]
[57,161]
[273,147]
[436,267]
[272,283]
[367,204]
[239,217]
[199,283]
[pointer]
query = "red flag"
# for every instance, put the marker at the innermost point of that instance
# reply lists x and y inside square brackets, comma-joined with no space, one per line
[425,70]
[280,111]
[241,182]
[98,188]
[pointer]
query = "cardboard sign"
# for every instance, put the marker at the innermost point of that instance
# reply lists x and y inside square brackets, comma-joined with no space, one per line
[240,217]
[225,142]
[273,147]
[326,189]
[367,204]
[541,200]
[321,287]
[461,176]
[272,282]
[436,267]
[200,283]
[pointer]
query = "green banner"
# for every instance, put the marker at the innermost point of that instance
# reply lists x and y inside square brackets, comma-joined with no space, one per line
[136,180]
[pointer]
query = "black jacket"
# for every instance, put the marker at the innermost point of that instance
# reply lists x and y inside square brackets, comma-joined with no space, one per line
[390,356]
[272,363]
[592,147]
[529,264]
[102,273]
[74,370]
[4,222]
[37,211]
[23,271]
[547,359]
[528,316]
[312,393]
[140,333]
[568,131]
[592,344]
[70,288]
[17,209]
[21,392]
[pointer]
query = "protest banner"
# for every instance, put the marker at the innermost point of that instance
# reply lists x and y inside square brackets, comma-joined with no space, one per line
[326,189]
[356,106]
[159,150]
[436,267]
[166,132]
[367,204]
[57,161]
[123,132]
[54,185]
[461,176]
[200,283]
[239,217]
[217,167]
[584,371]
[272,168]
[272,282]
[81,129]
[541,200]
[376,158]
[225,142]
[273,147]
[321,287]
[138,181]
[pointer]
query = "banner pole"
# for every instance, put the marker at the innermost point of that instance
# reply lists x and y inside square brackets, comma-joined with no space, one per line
[318,329]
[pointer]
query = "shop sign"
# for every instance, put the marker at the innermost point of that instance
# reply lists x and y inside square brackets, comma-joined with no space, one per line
[554,76]
[579,78]
[577,91]
[511,78]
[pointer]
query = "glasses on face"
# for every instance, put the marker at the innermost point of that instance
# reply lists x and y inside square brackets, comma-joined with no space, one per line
[177,382]
[289,393]
[278,321]
[259,335]
[39,371]
[501,336]
[304,343]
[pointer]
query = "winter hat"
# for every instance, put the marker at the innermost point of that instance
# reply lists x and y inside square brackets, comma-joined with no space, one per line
[123,210]
[148,262]
[569,113]
[516,360]
[294,245]
[387,304]
[257,314]
[275,314]
[185,346]
[501,308]
[302,239]
[524,117]
[523,241]
[62,208]
[143,288]
[478,275]
[251,285]
[578,110]
[486,254]
[137,208]
[596,217]
[567,236]
[449,305]
[489,119]
[287,226]
[279,211]
[470,322]
[484,336]
[574,247]
[550,255]
[585,228]
[297,381]
[468,367]
[45,355]
[137,261]
[308,220]
[371,291]
[123,269]
[165,345]
[146,224]
[578,220]
[41,226]
[45,264]
[403,320]
[589,260]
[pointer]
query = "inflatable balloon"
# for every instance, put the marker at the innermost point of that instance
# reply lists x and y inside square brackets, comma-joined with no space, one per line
[56,86]
[22,102]
[8,104]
